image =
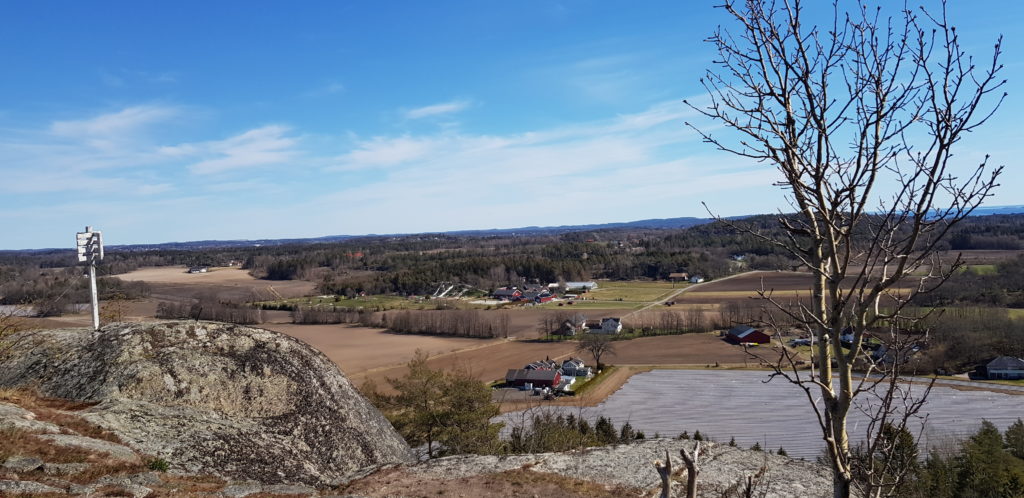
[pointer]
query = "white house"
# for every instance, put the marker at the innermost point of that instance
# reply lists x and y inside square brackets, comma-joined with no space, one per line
[607,326]
[572,367]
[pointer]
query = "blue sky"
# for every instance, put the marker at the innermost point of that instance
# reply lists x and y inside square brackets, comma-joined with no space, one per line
[221,120]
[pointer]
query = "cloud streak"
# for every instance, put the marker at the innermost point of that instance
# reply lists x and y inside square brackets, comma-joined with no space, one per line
[268,145]
[443,108]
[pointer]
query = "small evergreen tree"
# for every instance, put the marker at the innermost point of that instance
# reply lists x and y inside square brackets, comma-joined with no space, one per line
[732,441]
[781,452]
[756,447]
[605,431]
[627,434]
[1015,439]
[684,435]
[697,436]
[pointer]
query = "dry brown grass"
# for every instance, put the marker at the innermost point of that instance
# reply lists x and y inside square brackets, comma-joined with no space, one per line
[58,411]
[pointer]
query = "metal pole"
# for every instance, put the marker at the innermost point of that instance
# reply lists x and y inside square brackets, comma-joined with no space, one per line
[95,300]
[92,286]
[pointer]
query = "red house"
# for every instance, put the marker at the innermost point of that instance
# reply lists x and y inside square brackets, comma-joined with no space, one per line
[539,378]
[744,334]
[507,294]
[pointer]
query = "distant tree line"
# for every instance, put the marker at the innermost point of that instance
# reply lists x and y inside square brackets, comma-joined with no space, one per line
[415,264]
[209,309]
[460,323]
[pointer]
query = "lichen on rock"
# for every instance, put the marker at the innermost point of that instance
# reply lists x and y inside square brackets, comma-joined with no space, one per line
[240,402]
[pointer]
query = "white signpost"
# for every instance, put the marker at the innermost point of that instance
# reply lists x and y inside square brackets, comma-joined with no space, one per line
[90,250]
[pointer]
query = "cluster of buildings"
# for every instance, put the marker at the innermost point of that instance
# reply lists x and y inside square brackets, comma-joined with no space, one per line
[549,374]
[578,324]
[539,293]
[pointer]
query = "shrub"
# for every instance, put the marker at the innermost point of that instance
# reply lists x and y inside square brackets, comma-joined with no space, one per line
[159,465]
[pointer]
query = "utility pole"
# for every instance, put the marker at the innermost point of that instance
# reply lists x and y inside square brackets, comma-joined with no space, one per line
[90,250]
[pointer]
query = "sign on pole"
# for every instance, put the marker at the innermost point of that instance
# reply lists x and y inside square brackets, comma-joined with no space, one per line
[89,245]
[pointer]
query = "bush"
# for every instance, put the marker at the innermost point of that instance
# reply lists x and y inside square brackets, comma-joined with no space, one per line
[159,465]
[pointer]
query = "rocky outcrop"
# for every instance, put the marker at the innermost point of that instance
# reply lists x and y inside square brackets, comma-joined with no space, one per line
[239,402]
[724,472]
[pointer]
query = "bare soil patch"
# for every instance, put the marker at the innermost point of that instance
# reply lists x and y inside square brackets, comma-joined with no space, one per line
[487,363]
[235,284]
[686,349]
[358,349]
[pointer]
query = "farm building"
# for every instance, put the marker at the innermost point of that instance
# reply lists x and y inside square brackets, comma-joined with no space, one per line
[542,365]
[581,285]
[681,276]
[574,324]
[539,378]
[198,269]
[538,296]
[1005,368]
[574,367]
[745,334]
[696,279]
[607,326]
[507,294]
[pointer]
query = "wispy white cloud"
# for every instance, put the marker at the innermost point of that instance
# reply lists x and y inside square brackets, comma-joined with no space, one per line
[111,125]
[268,145]
[437,109]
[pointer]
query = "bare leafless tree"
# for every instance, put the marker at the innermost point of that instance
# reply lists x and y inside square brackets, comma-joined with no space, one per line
[598,345]
[860,117]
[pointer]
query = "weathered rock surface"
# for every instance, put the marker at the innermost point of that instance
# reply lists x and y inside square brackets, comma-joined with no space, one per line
[22,464]
[26,488]
[239,402]
[630,465]
[118,451]
[16,417]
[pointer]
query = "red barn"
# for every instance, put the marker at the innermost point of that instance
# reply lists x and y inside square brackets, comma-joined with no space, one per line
[744,334]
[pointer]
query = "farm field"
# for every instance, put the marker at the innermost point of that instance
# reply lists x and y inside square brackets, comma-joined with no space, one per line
[685,349]
[487,363]
[174,282]
[635,290]
[358,349]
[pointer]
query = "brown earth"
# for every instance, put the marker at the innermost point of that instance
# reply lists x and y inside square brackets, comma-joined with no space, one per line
[487,363]
[359,349]
[233,284]
[686,349]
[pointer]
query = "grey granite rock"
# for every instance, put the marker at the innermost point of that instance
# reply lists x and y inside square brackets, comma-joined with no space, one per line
[140,479]
[241,489]
[26,487]
[22,464]
[239,402]
[631,466]
[289,489]
[64,469]
[118,451]
[15,417]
